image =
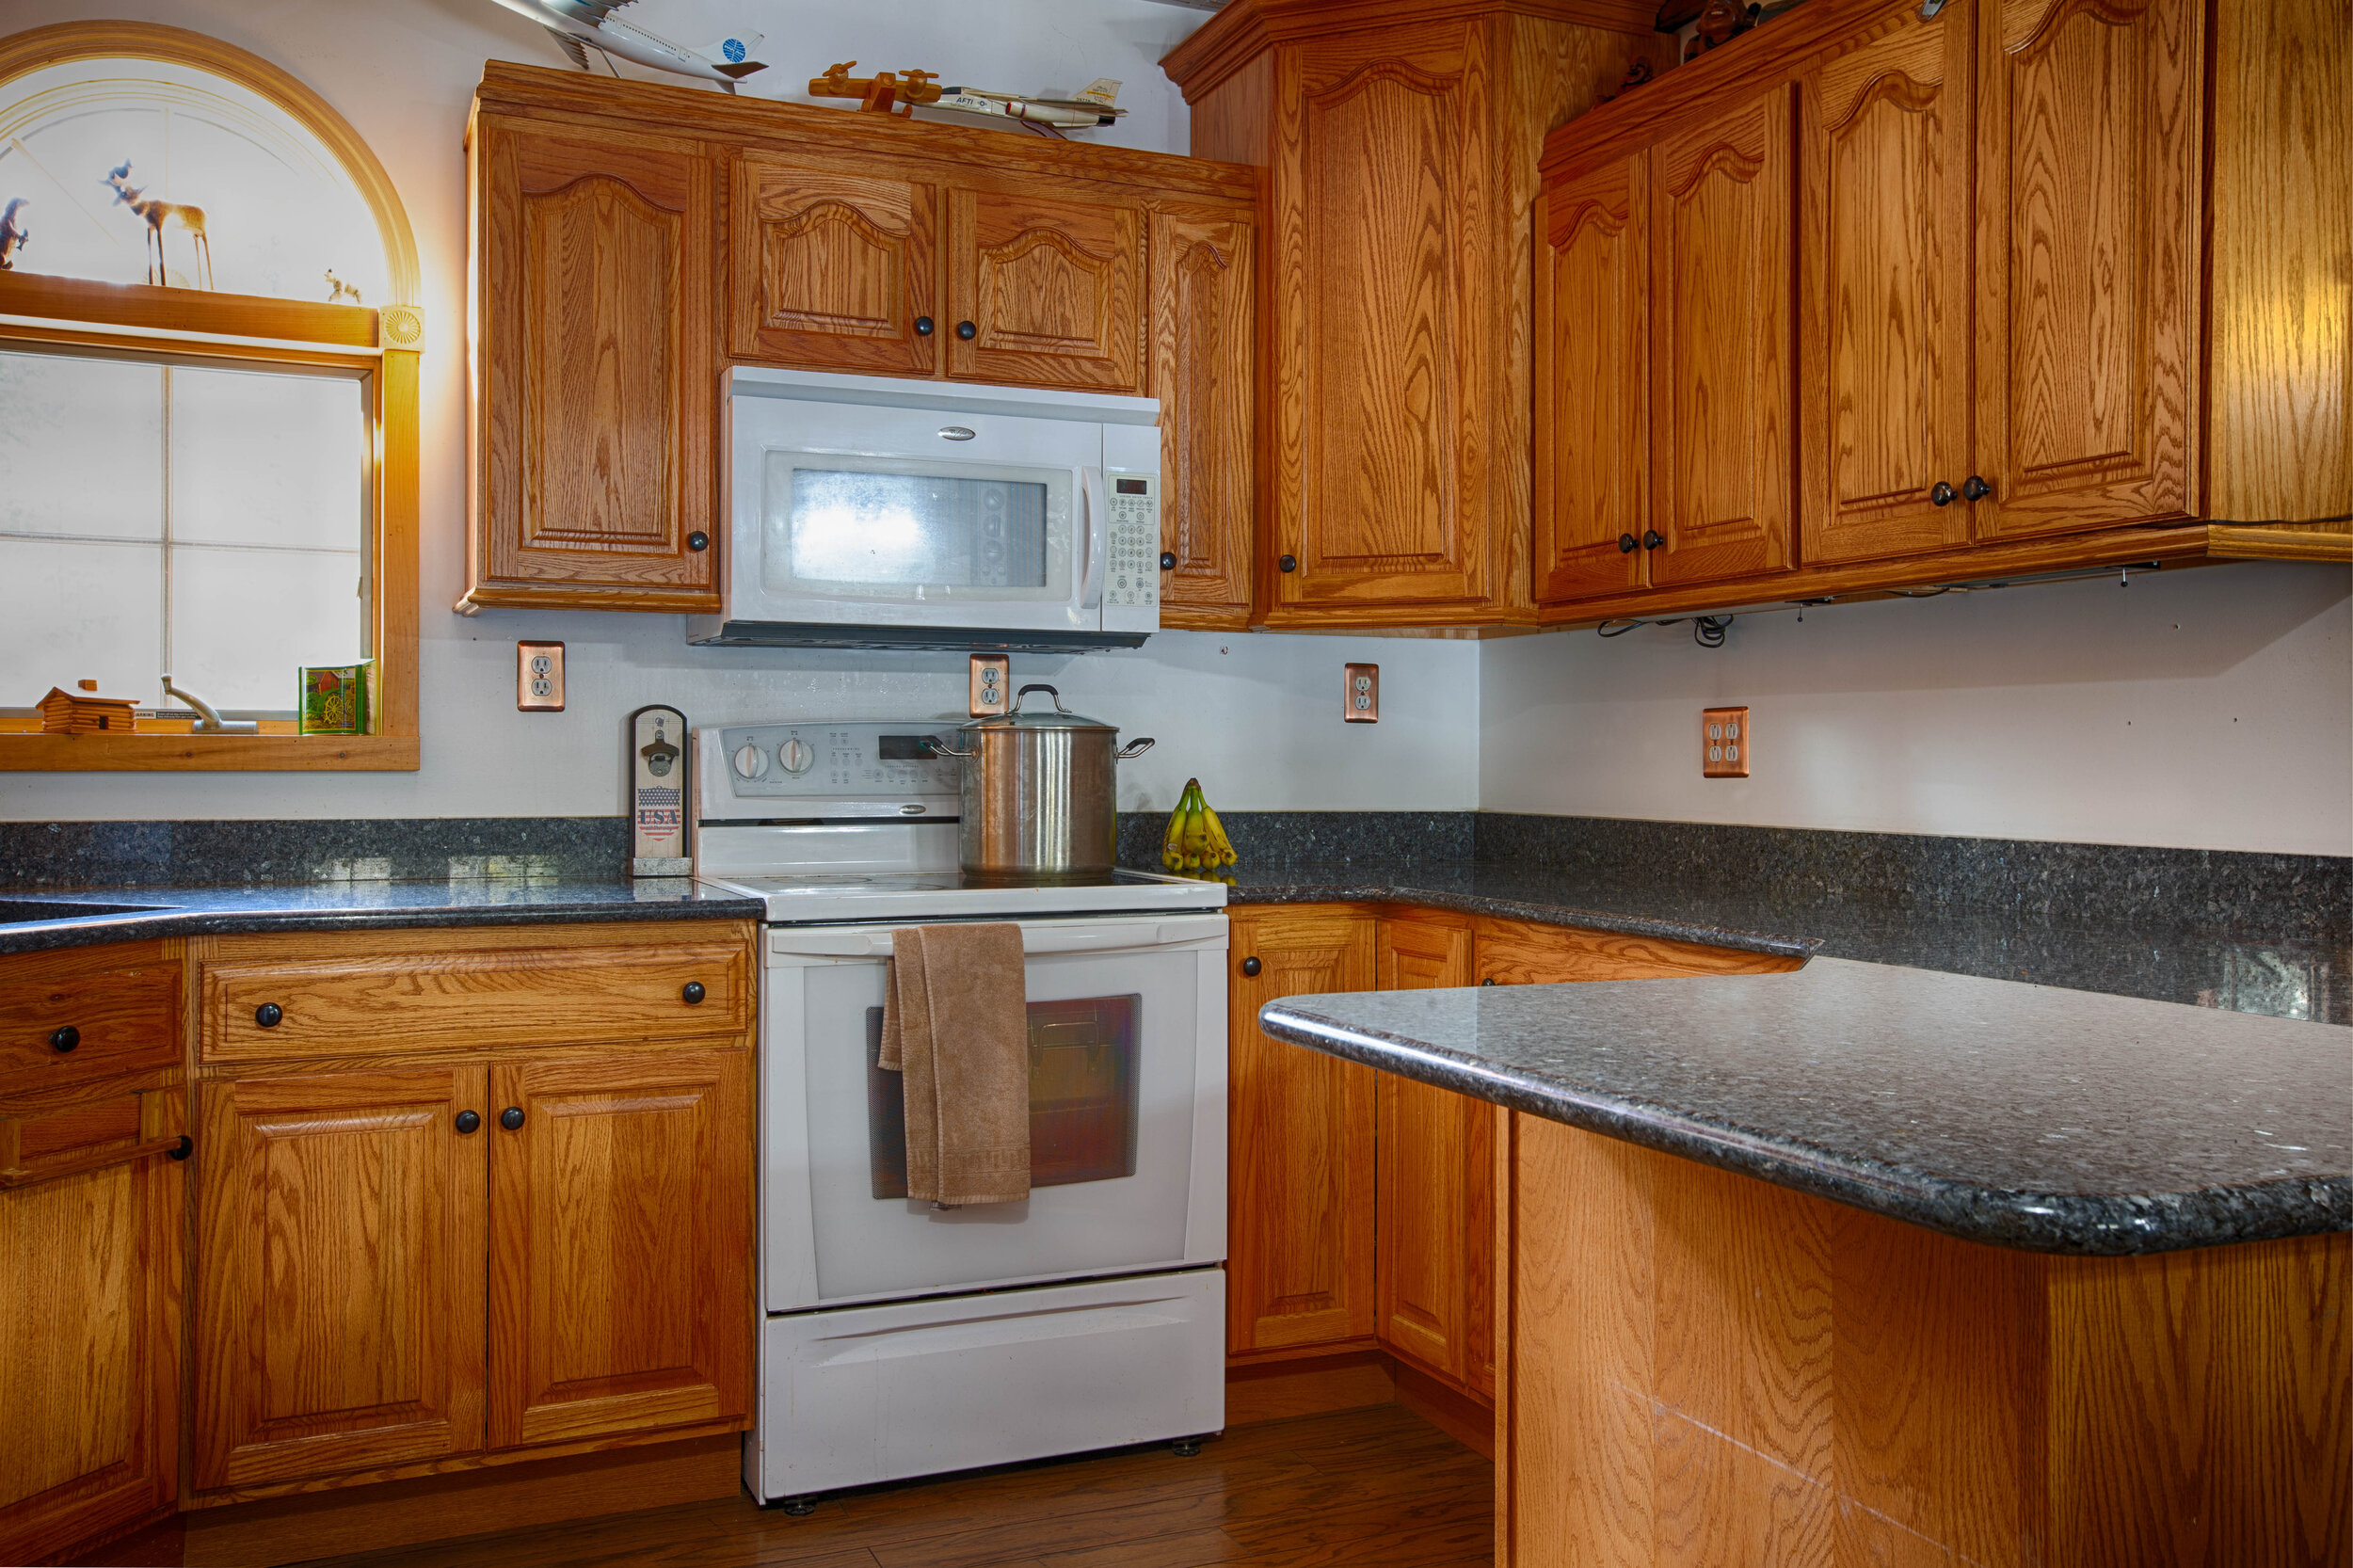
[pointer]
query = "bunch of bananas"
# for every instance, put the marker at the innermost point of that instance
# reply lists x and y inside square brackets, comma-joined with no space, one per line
[1196,844]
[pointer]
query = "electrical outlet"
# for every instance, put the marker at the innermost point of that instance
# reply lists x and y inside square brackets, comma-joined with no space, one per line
[1725,743]
[539,678]
[1361,703]
[992,683]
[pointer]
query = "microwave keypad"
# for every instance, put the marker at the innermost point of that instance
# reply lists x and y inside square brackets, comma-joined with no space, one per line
[1132,576]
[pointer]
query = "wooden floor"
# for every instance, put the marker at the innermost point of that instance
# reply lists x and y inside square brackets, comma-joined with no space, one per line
[1373,1488]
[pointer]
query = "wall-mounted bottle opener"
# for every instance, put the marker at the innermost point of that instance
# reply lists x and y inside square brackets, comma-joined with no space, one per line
[657,794]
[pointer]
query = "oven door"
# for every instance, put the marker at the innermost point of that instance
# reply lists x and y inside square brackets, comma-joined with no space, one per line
[1126,1117]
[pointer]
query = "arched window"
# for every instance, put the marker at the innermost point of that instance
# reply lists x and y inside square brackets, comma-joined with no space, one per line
[208,346]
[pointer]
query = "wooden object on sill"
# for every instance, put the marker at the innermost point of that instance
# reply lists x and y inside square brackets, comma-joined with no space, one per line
[878,93]
[64,713]
[1705,1368]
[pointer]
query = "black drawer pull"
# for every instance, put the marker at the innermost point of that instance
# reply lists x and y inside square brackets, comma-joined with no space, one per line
[1489,981]
[699,541]
[1251,965]
[1289,563]
[691,993]
[468,1120]
[1168,560]
[1628,544]
[511,1118]
[269,1015]
[180,1150]
[64,1039]
[923,327]
[965,330]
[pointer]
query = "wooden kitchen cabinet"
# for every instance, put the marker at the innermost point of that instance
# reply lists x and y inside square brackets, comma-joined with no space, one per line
[620,1211]
[1204,326]
[1398,149]
[1436,1159]
[834,270]
[595,377]
[1046,291]
[340,1252]
[1300,1240]
[1885,138]
[2090,152]
[1723,346]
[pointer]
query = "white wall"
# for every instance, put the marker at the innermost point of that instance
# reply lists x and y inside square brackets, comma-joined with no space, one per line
[1257,717]
[2208,709]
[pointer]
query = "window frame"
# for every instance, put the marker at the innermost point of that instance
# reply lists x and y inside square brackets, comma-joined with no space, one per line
[383,343]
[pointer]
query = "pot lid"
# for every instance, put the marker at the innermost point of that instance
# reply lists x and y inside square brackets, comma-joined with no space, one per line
[1020,718]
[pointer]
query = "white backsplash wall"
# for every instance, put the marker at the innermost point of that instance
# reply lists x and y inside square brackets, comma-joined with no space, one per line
[2206,709]
[1261,725]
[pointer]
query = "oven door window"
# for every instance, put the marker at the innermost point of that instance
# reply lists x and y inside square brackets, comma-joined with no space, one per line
[1082,1096]
[871,528]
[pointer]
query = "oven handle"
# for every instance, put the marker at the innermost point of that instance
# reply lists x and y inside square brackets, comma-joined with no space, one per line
[817,943]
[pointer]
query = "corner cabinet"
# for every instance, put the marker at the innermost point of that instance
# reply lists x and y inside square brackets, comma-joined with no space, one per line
[632,240]
[596,384]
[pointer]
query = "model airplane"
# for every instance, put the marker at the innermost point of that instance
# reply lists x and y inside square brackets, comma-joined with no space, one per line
[580,25]
[899,92]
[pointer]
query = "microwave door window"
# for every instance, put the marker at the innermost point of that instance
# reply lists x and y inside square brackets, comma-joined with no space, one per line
[880,529]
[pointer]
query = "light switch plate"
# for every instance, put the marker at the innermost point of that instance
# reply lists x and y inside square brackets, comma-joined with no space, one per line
[1725,737]
[539,678]
[1361,700]
[992,683]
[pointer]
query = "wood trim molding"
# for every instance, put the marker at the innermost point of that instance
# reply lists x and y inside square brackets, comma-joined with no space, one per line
[153,307]
[78,40]
[1243,29]
[184,753]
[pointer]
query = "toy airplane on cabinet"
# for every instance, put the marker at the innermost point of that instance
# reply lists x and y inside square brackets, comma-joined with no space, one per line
[899,92]
[580,25]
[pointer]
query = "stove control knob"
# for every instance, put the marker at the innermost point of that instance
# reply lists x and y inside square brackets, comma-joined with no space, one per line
[797,756]
[750,761]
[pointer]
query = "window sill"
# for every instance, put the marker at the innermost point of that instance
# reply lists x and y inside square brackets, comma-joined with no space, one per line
[189,752]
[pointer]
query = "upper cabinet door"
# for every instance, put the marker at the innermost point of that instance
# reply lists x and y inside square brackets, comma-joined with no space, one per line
[1593,385]
[835,271]
[1723,346]
[1044,292]
[599,386]
[620,1233]
[2089,150]
[1201,372]
[1381,198]
[339,1274]
[1885,133]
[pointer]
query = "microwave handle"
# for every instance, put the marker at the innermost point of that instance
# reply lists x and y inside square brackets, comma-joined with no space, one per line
[1094,537]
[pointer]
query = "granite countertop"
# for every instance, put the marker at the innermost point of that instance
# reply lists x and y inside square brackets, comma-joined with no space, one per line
[2019,1115]
[355,905]
[2165,959]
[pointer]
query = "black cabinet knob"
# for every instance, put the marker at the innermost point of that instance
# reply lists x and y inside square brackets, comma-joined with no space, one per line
[699,541]
[468,1120]
[1628,544]
[64,1039]
[1975,488]
[965,330]
[1251,965]
[269,1014]
[1168,560]
[511,1118]
[1287,563]
[1941,494]
[180,1150]
[1653,539]
[691,993]
[923,327]
[1489,981]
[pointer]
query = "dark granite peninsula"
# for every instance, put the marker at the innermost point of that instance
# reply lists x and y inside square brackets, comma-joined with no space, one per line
[1866,1263]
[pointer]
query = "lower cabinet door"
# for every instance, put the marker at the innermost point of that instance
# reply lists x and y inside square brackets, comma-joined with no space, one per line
[621,1244]
[338,1257]
[1299,1241]
[89,1329]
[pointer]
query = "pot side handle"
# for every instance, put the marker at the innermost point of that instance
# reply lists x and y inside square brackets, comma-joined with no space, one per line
[1133,748]
[941,749]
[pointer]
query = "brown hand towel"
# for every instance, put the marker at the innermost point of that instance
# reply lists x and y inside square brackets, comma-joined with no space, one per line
[955,1026]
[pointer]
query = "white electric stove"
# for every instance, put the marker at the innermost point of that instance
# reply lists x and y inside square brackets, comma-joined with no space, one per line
[900,1339]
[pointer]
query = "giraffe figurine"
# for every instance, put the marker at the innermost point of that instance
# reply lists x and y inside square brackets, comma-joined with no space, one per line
[13,234]
[156,213]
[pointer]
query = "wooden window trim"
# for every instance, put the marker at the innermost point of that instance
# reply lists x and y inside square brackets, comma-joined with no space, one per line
[153,320]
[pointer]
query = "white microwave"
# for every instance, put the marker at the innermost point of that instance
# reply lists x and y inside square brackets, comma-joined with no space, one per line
[866,511]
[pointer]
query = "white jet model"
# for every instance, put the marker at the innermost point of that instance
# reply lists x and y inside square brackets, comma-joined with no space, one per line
[1096,104]
[580,25]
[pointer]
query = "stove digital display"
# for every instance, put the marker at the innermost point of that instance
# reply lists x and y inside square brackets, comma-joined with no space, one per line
[905,748]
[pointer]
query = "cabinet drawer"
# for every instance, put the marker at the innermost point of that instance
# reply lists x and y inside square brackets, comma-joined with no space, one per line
[86,1013]
[1521,952]
[330,1002]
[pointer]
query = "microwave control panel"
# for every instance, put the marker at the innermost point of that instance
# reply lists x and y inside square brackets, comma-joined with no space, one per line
[1132,576]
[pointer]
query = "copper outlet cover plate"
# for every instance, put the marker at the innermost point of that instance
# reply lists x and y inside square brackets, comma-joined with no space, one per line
[1725,743]
[992,683]
[1360,701]
[539,678]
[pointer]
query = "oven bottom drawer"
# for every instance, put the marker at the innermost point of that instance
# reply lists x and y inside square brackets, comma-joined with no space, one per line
[869,1394]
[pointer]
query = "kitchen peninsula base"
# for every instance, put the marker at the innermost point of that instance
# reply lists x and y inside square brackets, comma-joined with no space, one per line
[1702,1367]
